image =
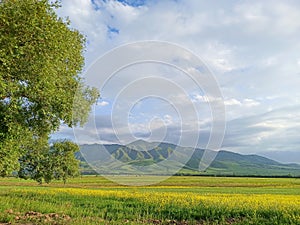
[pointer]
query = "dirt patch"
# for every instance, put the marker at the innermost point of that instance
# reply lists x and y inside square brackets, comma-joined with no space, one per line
[32,218]
[17,223]
[228,221]
[168,222]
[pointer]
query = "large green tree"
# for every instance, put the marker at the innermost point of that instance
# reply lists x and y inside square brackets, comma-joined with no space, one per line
[41,59]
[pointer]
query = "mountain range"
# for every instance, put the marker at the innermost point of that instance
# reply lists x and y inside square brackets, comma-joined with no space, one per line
[144,154]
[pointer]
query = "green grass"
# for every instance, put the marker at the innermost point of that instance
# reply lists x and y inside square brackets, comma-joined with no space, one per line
[21,196]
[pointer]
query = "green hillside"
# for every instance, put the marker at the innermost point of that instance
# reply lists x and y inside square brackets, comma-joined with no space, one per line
[143,154]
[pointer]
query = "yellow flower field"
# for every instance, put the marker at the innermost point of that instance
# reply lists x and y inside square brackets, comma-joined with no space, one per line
[274,201]
[246,201]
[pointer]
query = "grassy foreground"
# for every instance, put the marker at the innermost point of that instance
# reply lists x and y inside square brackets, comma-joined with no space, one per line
[178,200]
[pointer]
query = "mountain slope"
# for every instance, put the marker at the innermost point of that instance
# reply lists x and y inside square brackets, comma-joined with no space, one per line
[143,154]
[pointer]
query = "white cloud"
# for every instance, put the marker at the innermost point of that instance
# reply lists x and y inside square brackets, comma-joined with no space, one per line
[272,18]
[200,98]
[250,102]
[168,120]
[122,12]
[244,103]
[232,101]
[103,103]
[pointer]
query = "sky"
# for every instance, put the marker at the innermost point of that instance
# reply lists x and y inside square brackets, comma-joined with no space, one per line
[250,48]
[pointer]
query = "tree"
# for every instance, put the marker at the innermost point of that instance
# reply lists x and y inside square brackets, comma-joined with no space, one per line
[41,59]
[57,162]
[62,162]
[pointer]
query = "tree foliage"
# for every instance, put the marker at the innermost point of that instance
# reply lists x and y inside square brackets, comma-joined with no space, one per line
[44,163]
[41,58]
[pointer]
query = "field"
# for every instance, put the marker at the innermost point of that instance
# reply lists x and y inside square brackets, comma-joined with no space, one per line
[178,200]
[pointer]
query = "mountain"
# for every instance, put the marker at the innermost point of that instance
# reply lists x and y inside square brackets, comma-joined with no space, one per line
[145,155]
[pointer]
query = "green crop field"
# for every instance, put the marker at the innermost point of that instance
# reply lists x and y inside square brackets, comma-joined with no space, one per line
[177,200]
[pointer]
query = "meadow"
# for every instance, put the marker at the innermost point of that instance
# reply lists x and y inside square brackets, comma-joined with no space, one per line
[177,200]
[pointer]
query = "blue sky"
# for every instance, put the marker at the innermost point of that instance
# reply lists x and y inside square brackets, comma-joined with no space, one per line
[251,47]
